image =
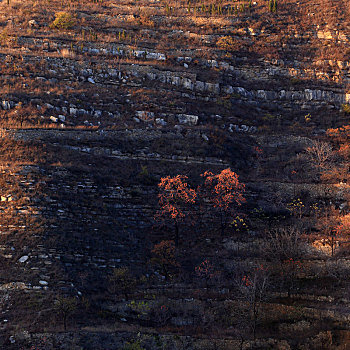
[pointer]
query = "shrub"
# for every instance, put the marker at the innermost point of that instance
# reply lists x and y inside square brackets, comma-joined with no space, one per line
[164,256]
[4,37]
[122,281]
[133,345]
[226,43]
[63,21]
[346,108]
[65,307]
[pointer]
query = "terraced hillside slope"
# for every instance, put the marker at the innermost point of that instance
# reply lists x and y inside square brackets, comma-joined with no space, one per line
[103,100]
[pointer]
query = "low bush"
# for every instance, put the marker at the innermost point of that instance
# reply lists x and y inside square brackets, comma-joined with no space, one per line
[63,21]
[346,108]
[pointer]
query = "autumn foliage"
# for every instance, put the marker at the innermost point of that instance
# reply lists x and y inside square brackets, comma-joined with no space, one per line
[224,189]
[344,225]
[223,192]
[342,133]
[174,195]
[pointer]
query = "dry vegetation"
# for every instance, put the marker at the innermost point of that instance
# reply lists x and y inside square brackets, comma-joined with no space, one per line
[107,108]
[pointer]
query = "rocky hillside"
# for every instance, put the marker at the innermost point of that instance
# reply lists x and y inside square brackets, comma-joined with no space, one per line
[102,99]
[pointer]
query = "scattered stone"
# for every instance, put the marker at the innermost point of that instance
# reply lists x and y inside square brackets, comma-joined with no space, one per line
[160,121]
[145,116]
[23,259]
[33,23]
[7,198]
[6,105]
[98,114]
[54,119]
[242,128]
[182,59]
[13,286]
[187,119]
[73,111]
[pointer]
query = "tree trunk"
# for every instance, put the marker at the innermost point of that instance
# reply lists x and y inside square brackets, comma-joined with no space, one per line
[165,273]
[222,223]
[176,234]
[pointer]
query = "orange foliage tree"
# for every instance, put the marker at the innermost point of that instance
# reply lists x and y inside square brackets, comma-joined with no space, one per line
[332,229]
[174,196]
[344,225]
[339,171]
[340,235]
[224,192]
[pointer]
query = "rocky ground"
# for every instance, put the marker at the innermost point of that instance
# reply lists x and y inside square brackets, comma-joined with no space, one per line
[95,111]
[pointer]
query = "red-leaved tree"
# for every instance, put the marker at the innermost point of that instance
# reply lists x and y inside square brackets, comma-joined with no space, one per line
[224,192]
[174,198]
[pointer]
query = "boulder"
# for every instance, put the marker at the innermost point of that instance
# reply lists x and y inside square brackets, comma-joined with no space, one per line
[188,119]
[23,259]
[145,116]
[33,23]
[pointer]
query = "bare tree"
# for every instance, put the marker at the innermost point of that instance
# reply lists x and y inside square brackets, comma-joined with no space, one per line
[65,307]
[253,290]
[320,154]
[285,247]
[283,243]
[329,227]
